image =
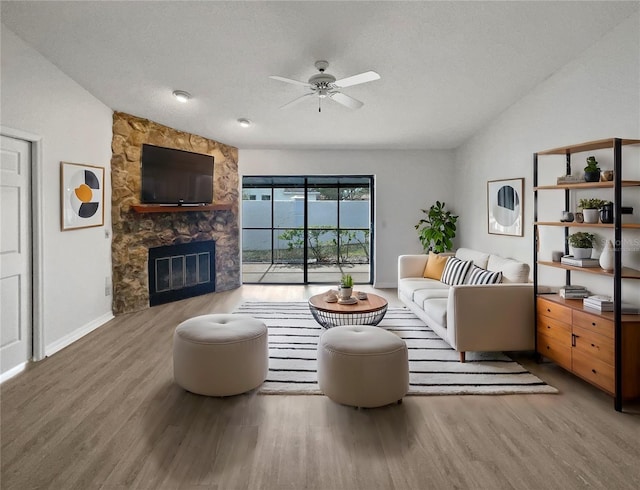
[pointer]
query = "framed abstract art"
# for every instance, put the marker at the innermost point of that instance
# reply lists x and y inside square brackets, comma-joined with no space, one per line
[82,195]
[505,207]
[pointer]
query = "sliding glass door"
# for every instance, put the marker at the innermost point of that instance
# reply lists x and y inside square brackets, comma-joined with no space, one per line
[307,229]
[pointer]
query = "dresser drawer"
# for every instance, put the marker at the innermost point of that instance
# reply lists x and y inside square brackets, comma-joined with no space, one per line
[559,352]
[553,328]
[593,370]
[553,310]
[594,345]
[594,323]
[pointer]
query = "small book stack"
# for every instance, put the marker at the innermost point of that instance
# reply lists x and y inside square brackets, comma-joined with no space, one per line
[573,292]
[571,260]
[598,302]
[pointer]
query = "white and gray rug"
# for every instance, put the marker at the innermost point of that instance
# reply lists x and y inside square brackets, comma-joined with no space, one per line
[434,366]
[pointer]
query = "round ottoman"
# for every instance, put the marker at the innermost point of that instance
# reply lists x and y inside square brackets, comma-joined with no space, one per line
[220,355]
[363,366]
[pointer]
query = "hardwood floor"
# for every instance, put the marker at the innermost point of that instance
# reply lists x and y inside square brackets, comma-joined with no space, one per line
[104,414]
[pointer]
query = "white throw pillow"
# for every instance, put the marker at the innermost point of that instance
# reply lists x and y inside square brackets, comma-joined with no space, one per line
[455,271]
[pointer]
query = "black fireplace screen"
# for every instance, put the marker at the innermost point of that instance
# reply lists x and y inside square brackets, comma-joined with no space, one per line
[181,271]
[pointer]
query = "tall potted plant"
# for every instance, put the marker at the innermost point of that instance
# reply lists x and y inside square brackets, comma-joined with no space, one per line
[438,229]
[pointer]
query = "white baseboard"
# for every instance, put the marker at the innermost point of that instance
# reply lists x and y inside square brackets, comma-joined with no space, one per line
[51,349]
[12,372]
[385,285]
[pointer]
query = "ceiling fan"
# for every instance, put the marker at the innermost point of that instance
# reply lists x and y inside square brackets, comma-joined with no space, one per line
[324,85]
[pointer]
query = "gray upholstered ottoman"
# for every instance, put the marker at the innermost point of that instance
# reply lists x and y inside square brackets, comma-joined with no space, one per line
[363,366]
[220,355]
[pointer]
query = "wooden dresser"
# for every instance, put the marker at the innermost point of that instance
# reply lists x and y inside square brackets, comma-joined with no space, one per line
[583,342]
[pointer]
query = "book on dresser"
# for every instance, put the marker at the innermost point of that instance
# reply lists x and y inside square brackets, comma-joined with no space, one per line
[573,292]
[598,302]
[571,260]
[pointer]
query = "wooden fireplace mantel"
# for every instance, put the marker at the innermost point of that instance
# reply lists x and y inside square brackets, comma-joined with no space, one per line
[153,208]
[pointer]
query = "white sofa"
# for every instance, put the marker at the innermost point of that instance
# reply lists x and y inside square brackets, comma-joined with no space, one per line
[475,318]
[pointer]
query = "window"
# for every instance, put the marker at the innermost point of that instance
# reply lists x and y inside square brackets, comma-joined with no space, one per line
[307,229]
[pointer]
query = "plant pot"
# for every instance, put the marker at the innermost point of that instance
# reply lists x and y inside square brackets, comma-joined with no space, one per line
[592,176]
[582,253]
[590,215]
[345,293]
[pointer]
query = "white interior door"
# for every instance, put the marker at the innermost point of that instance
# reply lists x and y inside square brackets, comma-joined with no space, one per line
[15,253]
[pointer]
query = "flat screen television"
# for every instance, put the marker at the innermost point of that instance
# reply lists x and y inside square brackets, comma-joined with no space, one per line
[176,177]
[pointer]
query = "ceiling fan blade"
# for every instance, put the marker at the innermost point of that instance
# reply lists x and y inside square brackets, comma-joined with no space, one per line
[367,76]
[296,100]
[345,100]
[289,80]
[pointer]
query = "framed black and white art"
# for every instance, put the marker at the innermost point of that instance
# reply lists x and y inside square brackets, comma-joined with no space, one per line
[505,206]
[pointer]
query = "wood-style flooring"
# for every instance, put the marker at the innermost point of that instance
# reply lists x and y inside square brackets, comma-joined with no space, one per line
[104,413]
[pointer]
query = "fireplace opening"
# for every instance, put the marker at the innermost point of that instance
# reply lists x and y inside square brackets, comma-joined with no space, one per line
[181,271]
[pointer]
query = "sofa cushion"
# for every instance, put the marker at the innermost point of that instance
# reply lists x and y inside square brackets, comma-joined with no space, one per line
[435,266]
[409,285]
[455,271]
[437,310]
[481,276]
[421,295]
[479,259]
[512,270]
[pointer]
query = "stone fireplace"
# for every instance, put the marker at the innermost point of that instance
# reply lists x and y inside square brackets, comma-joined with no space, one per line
[135,234]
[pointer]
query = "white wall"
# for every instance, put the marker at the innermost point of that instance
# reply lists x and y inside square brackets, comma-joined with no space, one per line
[405,182]
[594,97]
[75,127]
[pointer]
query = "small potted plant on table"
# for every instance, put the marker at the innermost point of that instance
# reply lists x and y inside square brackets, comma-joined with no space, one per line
[582,243]
[346,286]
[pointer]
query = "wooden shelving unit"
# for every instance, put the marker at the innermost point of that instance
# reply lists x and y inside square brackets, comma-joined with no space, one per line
[152,208]
[558,320]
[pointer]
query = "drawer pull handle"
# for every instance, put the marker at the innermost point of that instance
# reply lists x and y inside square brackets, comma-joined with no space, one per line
[548,348]
[593,323]
[594,371]
[593,345]
[548,326]
[549,310]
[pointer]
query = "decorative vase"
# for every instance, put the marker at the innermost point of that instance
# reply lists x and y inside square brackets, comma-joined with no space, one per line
[590,215]
[606,257]
[606,213]
[582,253]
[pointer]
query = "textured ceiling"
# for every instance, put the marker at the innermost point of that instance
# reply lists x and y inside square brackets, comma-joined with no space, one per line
[447,68]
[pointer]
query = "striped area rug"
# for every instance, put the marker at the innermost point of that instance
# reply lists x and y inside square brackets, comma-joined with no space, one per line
[434,366]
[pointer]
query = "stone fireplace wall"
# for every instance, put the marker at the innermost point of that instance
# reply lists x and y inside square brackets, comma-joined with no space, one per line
[134,233]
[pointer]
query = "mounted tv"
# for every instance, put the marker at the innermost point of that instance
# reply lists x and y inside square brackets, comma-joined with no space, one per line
[176,177]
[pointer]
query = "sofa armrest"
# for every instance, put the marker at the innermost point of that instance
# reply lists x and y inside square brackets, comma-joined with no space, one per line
[411,265]
[496,317]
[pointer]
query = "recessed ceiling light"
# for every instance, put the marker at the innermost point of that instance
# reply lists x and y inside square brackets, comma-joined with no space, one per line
[245,123]
[181,96]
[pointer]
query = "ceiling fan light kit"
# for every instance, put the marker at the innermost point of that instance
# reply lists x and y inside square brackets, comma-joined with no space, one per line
[181,96]
[324,85]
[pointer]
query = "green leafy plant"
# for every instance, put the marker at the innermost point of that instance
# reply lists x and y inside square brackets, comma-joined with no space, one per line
[438,229]
[581,239]
[592,203]
[592,165]
[346,281]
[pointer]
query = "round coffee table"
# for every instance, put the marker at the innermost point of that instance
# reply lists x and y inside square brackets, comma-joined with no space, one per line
[368,311]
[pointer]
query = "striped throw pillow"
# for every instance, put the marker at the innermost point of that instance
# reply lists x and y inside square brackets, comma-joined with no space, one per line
[455,271]
[482,276]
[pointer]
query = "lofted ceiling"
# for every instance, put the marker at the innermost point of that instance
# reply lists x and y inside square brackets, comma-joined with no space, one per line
[448,68]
